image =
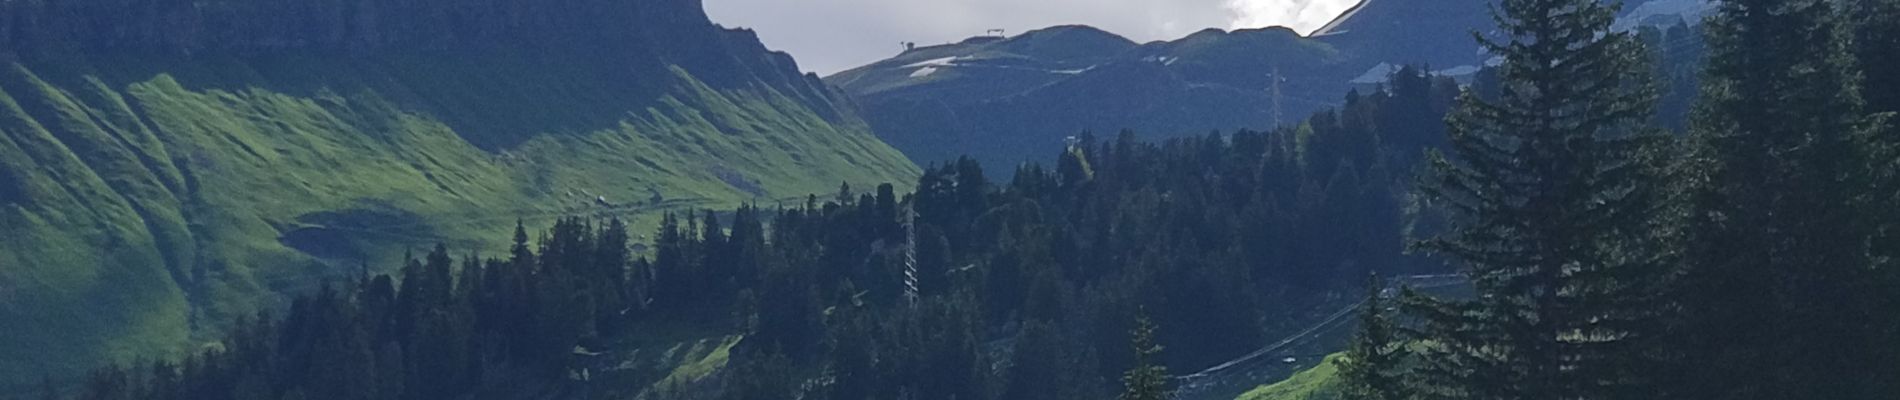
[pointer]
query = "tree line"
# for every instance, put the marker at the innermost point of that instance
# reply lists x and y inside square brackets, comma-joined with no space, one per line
[441,332]
[965,288]
[1751,258]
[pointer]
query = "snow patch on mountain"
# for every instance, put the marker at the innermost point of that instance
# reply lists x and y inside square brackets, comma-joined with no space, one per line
[1378,74]
[1163,60]
[1461,70]
[1382,73]
[936,62]
[1662,13]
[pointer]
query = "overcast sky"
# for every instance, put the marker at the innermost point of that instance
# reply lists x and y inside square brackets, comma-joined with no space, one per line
[828,36]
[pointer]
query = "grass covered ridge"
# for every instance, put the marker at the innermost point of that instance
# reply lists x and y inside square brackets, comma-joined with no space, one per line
[1319,382]
[145,204]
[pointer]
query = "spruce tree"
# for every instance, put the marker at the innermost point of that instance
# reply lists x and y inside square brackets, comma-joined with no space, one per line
[1148,379]
[1877,46]
[1371,368]
[519,254]
[1779,298]
[607,278]
[1551,211]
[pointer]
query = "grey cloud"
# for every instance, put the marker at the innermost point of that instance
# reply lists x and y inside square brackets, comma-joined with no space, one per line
[827,36]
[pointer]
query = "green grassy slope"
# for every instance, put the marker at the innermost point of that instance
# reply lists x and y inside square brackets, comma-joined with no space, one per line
[145,202]
[1315,383]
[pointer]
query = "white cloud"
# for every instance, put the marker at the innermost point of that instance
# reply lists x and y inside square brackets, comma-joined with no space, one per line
[831,35]
[1301,15]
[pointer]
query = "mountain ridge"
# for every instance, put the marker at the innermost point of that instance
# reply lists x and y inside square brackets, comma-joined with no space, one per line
[163,189]
[939,102]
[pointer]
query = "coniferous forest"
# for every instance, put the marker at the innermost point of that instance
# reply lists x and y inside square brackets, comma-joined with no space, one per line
[1748,258]
[1625,236]
[966,288]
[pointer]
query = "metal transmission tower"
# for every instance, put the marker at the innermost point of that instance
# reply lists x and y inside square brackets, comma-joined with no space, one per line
[1274,87]
[910,256]
[907,250]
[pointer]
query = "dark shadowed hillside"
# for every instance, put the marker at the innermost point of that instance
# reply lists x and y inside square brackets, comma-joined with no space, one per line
[1419,32]
[998,99]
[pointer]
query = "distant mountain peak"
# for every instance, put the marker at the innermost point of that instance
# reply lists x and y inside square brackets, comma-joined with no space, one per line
[1275,30]
[1068,43]
[1075,29]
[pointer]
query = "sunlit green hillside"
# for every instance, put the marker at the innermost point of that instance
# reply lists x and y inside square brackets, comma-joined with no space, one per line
[1317,383]
[147,201]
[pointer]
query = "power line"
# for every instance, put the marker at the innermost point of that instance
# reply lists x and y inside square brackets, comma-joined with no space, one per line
[1433,281]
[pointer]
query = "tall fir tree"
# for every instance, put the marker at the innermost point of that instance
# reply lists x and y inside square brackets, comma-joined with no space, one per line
[1551,206]
[1877,47]
[1147,379]
[1372,368]
[1779,297]
[607,278]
